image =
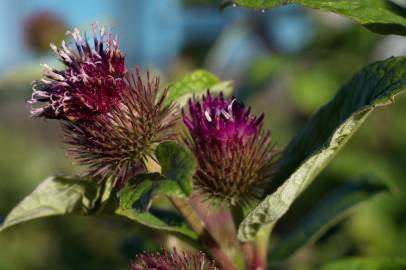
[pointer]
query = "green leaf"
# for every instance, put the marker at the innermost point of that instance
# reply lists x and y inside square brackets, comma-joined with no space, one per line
[106,190]
[323,136]
[367,264]
[132,192]
[380,16]
[177,164]
[196,83]
[54,196]
[159,223]
[155,219]
[333,208]
[177,169]
[141,190]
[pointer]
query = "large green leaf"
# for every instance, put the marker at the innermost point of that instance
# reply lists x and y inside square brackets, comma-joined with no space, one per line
[380,16]
[367,264]
[196,83]
[323,136]
[328,212]
[54,196]
[177,164]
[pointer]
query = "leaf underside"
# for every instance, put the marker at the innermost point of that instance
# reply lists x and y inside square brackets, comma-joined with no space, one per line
[323,136]
[54,196]
[380,16]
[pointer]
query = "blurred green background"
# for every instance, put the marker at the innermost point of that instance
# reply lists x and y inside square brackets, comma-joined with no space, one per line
[286,62]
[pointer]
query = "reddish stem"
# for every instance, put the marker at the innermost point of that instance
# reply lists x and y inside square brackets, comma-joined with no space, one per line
[254,259]
[204,235]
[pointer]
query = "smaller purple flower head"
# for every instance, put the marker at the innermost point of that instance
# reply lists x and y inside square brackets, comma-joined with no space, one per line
[172,261]
[234,153]
[89,85]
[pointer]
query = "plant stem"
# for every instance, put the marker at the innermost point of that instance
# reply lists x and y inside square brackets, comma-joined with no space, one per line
[204,235]
[253,258]
[256,252]
[196,224]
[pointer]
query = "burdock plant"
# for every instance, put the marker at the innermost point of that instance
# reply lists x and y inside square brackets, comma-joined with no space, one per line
[218,167]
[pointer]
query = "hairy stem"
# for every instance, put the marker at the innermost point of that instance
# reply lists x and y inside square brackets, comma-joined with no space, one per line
[204,235]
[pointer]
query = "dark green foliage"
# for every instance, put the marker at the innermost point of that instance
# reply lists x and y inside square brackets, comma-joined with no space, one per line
[380,16]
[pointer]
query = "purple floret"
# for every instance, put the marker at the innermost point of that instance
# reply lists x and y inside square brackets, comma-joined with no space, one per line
[90,84]
[218,121]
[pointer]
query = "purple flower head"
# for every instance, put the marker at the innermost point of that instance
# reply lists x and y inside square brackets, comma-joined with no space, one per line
[221,122]
[89,85]
[234,152]
[172,261]
[117,144]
